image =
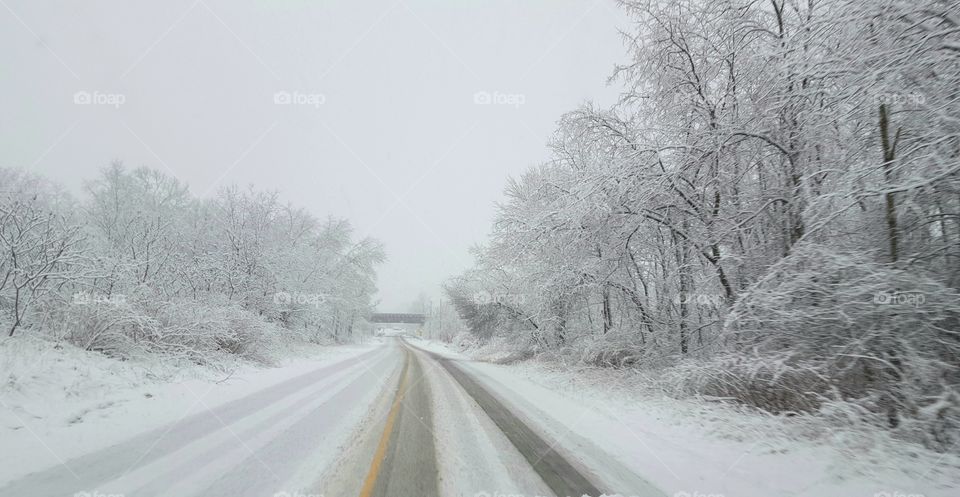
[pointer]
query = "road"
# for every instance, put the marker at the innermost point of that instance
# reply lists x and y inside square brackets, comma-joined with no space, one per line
[396,421]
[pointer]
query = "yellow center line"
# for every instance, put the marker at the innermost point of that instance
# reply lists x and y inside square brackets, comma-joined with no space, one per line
[381,452]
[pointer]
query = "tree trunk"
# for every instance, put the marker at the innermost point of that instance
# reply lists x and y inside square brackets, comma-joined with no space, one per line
[890,206]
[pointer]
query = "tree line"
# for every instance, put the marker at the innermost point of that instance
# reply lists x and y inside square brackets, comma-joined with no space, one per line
[138,266]
[769,214]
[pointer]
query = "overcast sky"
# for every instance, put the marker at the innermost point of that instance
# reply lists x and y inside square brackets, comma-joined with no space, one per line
[359,109]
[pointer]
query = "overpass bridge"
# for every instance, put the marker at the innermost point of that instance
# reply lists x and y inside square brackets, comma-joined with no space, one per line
[397,318]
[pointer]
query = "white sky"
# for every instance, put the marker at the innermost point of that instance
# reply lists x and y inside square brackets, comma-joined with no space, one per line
[398,146]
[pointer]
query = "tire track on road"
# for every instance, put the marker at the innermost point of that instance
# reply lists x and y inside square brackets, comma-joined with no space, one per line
[559,474]
[405,463]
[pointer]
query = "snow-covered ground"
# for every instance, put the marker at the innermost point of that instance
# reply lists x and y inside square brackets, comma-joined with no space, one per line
[694,448]
[58,403]
[256,431]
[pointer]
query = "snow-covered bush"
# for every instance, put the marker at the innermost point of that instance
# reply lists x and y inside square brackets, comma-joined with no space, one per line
[113,328]
[826,325]
[465,340]
[188,331]
[200,331]
[776,383]
[618,348]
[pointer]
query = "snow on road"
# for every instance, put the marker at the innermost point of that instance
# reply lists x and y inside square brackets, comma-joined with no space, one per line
[258,432]
[477,457]
[473,457]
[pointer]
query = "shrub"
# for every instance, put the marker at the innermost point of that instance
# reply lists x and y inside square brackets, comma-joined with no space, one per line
[826,325]
[182,330]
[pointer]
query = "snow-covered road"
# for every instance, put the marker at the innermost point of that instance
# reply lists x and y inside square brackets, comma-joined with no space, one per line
[392,420]
[443,433]
[396,418]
